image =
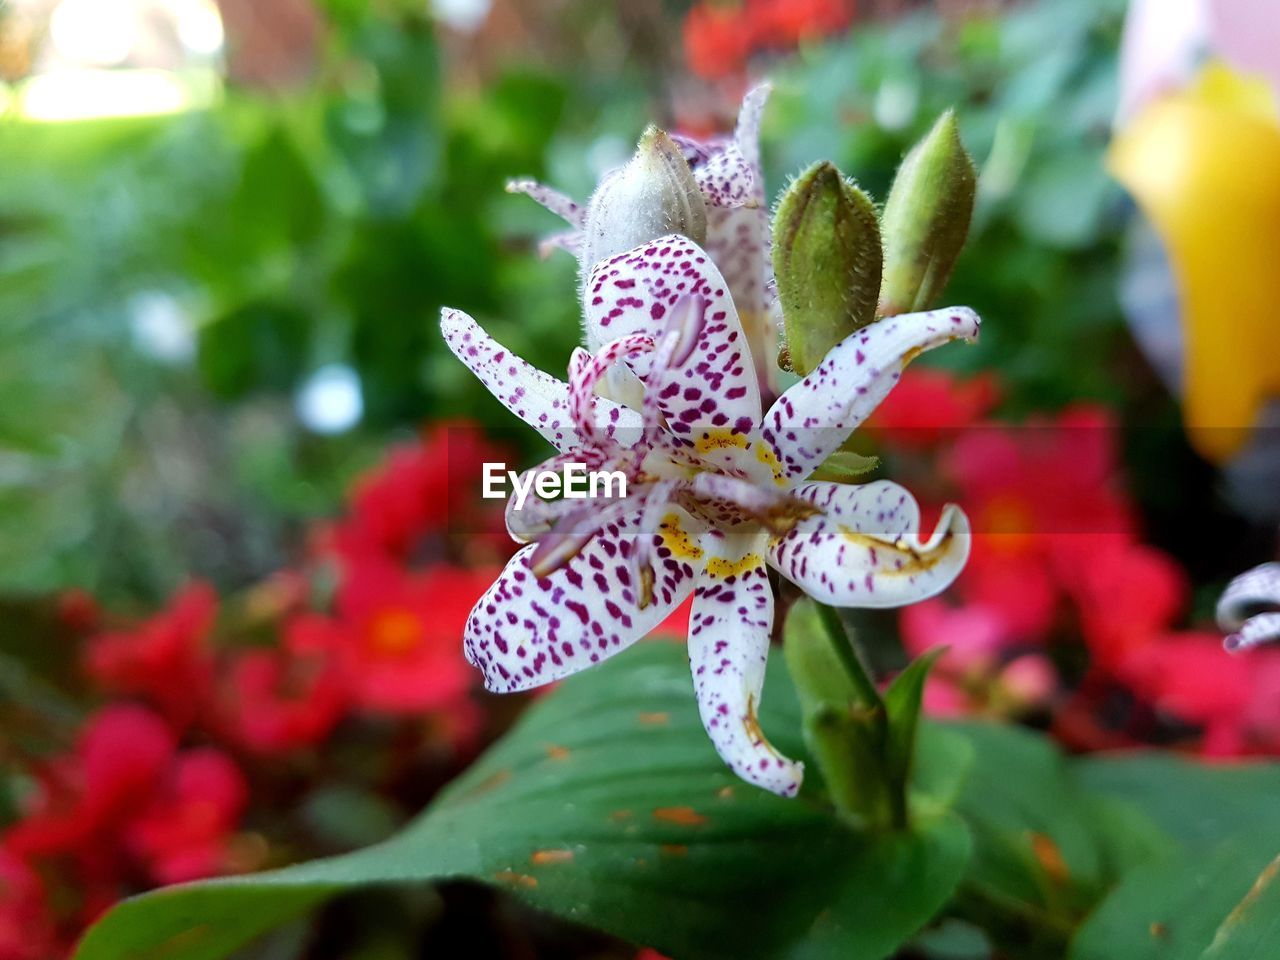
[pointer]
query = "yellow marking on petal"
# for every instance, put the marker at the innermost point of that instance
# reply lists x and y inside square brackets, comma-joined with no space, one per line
[556,752]
[751,723]
[911,355]
[721,568]
[655,719]
[765,454]
[720,439]
[676,539]
[916,561]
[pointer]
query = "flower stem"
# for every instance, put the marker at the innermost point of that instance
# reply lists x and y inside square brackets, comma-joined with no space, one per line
[850,658]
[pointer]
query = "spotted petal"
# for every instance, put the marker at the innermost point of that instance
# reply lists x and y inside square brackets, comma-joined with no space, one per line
[535,516]
[527,631]
[729,632]
[537,398]
[865,550]
[570,241]
[738,229]
[813,418]
[558,203]
[728,169]
[1254,632]
[715,386]
[1250,607]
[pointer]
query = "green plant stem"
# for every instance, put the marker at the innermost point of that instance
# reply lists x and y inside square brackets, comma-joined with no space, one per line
[850,658]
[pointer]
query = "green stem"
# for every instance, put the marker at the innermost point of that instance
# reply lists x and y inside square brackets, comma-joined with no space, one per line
[850,658]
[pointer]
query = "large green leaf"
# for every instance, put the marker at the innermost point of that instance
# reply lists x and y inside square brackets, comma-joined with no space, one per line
[1037,848]
[1196,804]
[607,805]
[1224,906]
[1214,894]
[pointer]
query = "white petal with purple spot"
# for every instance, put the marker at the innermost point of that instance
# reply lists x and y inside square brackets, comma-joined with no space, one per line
[813,418]
[527,631]
[537,398]
[865,550]
[729,633]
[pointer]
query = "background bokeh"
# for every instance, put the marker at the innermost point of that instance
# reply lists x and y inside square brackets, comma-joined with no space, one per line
[230,432]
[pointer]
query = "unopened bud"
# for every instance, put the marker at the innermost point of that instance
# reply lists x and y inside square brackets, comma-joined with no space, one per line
[926,219]
[827,259]
[653,195]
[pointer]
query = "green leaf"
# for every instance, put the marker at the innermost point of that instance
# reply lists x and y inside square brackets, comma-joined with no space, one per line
[845,466]
[943,759]
[902,702]
[1036,851]
[1198,804]
[1222,907]
[609,806]
[845,725]
[816,669]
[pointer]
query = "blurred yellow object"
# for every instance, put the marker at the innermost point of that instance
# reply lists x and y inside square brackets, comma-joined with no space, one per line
[1204,165]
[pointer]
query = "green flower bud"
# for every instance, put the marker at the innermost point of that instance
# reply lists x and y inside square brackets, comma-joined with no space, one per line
[827,260]
[926,219]
[653,195]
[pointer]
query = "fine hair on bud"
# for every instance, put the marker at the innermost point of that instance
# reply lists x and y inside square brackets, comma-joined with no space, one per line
[828,260]
[926,219]
[652,195]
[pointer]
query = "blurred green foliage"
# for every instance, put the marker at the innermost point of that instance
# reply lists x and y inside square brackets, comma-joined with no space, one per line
[329,224]
[1034,90]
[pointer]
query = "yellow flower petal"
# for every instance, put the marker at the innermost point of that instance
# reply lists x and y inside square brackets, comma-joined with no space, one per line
[1205,167]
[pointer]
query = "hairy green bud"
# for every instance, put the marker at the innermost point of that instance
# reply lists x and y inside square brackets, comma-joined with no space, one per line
[926,219]
[827,259]
[653,195]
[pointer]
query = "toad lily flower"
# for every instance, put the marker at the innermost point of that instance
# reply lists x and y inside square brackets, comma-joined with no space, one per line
[715,195]
[1250,608]
[716,491]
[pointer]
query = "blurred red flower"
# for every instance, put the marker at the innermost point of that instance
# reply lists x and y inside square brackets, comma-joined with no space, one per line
[975,635]
[1189,676]
[164,659]
[719,36]
[1045,501]
[84,798]
[78,610]
[125,805]
[285,698]
[397,635]
[26,925]
[975,673]
[782,24]
[183,833]
[1127,594]
[929,404]
[415,491]
[717,39]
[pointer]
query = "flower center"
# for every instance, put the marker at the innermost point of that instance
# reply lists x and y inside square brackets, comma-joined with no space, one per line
[394,632]
[1011,519]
